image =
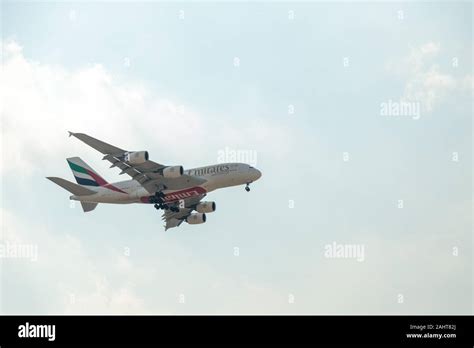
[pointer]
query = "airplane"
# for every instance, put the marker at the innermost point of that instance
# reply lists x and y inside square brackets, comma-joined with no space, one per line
[176,191]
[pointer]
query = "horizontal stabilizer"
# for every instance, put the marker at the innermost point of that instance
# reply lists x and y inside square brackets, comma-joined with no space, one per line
[86,206]
[75,189]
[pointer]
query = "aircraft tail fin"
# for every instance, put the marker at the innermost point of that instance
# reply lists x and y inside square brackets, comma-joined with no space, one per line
[84,174]
[75,189]
[86,206]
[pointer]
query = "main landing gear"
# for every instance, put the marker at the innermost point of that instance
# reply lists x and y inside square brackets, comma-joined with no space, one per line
[165,206]
[159,200]
[247,187]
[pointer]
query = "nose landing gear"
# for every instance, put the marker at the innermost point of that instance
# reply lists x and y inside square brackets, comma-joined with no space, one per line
[247,187]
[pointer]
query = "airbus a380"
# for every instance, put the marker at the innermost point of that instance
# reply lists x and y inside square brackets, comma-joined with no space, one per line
[177,191]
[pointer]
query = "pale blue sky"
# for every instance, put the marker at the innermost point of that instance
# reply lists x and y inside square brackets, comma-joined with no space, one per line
[283,62]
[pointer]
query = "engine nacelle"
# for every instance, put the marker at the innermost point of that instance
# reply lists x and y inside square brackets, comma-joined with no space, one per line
[196,218]
[173,172]
[138,157]
[206,207]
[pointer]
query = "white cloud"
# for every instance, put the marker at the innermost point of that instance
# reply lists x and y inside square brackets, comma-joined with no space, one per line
[68,292]
[419,55]
[78,282]
[42,102]
[425,82]
[430,87]
[430,48]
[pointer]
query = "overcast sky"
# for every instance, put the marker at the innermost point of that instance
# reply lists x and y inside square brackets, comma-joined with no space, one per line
[304,88]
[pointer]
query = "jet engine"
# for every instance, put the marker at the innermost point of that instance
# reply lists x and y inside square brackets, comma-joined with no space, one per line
[138,157]
[196,218]
[206,207]
[173,172]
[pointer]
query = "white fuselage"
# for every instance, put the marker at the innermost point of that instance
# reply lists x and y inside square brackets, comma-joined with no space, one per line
[215,176]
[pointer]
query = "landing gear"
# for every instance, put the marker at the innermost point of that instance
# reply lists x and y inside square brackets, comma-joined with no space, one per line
[159,200]
[165,206]
[247,187]
[159,196]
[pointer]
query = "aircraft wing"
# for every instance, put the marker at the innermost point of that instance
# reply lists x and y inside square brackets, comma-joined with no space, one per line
[173,219]
[148,174]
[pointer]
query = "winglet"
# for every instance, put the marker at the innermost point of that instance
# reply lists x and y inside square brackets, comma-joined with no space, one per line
[70,133]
